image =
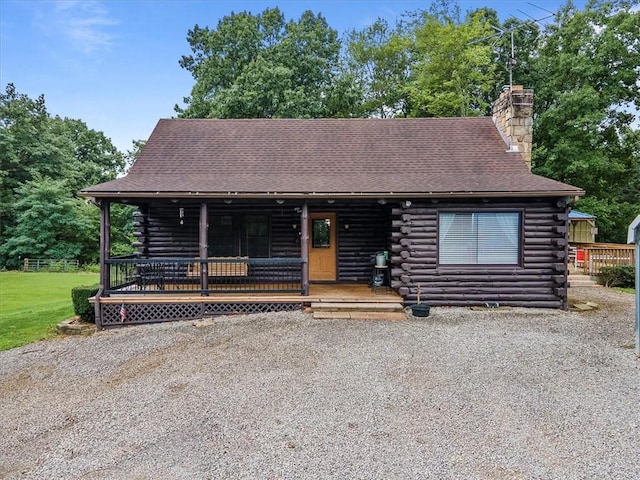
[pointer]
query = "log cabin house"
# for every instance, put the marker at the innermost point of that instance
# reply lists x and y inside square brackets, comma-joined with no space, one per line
[253,215]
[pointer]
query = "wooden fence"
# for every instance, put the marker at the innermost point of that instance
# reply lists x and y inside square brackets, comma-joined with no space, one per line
[49,265]
[589,259]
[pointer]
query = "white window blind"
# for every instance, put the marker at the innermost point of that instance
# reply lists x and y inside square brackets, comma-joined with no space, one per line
[487,238]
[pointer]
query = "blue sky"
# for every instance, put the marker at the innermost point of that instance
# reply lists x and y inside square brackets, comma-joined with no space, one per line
[114,63]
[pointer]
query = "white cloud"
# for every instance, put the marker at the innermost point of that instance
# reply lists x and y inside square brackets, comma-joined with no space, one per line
[86,24]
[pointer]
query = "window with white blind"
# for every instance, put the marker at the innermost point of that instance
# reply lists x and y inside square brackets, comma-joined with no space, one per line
[487,238]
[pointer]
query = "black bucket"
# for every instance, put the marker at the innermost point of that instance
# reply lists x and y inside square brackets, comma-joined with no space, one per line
[420,309]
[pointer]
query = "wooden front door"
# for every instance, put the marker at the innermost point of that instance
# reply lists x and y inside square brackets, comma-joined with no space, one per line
[322,246]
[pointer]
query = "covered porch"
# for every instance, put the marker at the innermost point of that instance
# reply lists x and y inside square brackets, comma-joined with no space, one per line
[241,255]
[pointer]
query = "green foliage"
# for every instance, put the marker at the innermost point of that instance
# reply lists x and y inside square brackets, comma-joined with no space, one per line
[88,156]
[121,230]
[91,268]
[31,304]
[378,57]
[454,72]
[613,217]
[44,162]
[618,276]
[80,297]
[585,77]
[260,66]
[51,224]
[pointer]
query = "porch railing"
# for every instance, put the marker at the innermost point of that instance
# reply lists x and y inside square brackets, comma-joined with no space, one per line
[186,275]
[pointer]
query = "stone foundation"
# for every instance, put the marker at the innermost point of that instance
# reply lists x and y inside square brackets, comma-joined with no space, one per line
[74,326]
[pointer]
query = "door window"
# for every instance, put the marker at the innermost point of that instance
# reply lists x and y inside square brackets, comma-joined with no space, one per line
[321,233]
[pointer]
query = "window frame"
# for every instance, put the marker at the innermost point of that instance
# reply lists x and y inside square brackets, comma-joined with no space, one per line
[239,233]
[471,210]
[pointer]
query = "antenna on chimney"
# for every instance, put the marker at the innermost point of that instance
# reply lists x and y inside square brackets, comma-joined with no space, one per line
[512,58]
[511,62]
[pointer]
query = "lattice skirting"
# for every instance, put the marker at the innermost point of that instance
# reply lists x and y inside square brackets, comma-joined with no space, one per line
[135,313]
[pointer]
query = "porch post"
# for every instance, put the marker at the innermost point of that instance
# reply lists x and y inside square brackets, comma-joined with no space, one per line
[304,246]
[204,247]
[105,248]
[105,242]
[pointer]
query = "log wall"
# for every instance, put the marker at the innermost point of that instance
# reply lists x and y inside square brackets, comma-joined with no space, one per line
[411,236]
[362,230]
[160,234]
[539,281]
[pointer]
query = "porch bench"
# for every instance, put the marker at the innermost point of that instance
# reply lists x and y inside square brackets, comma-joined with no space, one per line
[147,275]
[221,267]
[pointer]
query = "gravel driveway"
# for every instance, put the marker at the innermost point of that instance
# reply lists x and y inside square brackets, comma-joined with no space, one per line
[511,394]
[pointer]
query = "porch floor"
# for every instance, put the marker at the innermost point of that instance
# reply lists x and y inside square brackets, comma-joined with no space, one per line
[318,292]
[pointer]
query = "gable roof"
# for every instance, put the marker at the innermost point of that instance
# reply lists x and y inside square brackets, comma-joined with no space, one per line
[328,157]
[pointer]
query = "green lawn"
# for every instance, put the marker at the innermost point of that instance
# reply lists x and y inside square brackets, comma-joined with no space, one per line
[625,290]
[31,304]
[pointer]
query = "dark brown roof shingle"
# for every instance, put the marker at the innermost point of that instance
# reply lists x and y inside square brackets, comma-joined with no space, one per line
[425,156]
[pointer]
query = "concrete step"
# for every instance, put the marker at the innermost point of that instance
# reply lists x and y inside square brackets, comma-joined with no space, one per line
[359,310]
[583,284]
[359,315]
[579,280]
[356,306]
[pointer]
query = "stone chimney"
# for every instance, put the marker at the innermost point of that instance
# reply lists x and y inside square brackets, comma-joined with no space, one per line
[513,115]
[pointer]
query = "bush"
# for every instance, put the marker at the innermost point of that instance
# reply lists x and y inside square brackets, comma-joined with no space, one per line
[91,268]
[618,276]
[81,306]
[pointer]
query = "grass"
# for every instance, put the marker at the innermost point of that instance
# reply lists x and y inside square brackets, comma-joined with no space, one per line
[625,290]
[31,304]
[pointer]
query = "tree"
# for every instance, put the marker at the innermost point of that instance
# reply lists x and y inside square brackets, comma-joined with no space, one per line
[25,147]
[260,66]
[586,79]
[454,72]
[379,58]
[51,223]
[34,145]
[132,155]
[88,156]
